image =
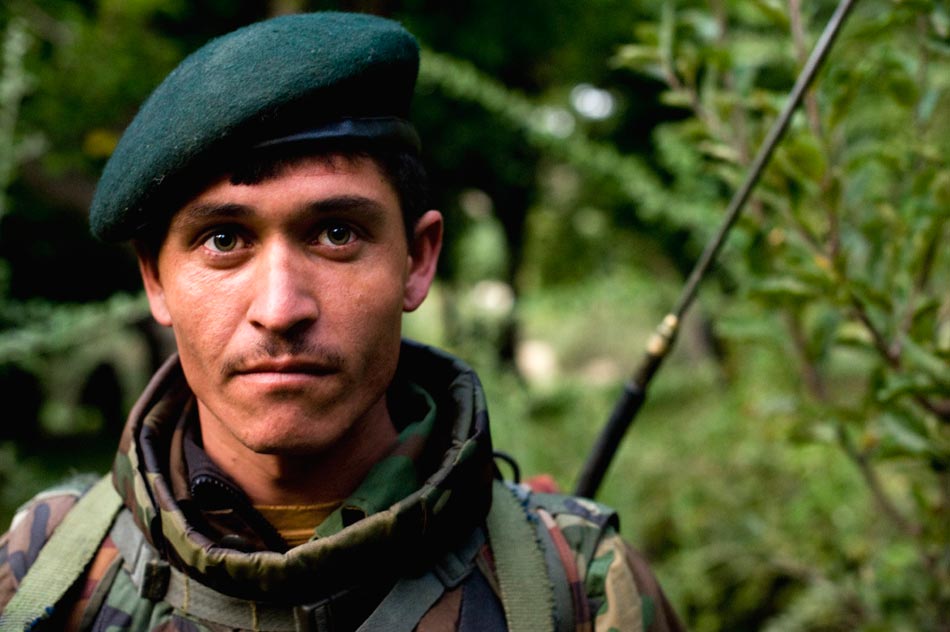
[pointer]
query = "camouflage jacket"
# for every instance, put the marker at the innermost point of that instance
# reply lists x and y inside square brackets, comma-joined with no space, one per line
[421,505]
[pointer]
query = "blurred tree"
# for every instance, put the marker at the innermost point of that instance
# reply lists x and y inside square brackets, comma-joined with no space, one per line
[842,246]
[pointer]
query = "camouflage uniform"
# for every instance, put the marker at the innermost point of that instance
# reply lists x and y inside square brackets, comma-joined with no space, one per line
[426,500]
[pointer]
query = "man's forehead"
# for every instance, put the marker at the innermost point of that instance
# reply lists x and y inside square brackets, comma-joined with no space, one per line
[337,183]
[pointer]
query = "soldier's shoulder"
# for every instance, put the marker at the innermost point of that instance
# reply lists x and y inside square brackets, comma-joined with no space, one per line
[582,522]
[622,590]
[31,527]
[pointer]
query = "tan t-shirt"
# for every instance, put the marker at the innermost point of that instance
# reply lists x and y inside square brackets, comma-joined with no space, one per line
[296,523]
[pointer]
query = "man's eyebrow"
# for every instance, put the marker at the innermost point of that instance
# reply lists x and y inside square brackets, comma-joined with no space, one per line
[357,204]
[200,213]
[349,204]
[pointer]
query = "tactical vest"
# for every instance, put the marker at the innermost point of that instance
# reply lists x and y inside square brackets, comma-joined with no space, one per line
[535,568]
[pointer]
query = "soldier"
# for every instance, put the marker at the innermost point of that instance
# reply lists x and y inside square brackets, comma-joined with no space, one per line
[296,465]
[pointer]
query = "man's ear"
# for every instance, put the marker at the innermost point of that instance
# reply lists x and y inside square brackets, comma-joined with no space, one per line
[423,257]
[148,267]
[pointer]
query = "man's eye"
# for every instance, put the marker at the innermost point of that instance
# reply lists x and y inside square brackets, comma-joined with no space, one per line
[336,235]
[222,241]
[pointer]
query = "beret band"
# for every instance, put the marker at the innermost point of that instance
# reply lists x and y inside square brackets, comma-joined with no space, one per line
[384,129]
[287,80]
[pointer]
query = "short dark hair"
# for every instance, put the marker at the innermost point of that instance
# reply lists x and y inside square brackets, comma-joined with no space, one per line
[401,167]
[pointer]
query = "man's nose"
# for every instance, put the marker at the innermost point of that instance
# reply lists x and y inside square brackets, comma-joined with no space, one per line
[284,294]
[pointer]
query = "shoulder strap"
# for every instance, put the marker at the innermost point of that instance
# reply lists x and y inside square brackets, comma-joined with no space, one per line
[411,598]
[63,559]
[526,589]
[586,523]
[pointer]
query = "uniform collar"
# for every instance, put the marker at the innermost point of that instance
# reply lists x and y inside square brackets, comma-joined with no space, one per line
[450,498]
[214,501]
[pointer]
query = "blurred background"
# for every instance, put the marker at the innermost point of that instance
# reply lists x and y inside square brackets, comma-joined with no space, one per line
[790,468]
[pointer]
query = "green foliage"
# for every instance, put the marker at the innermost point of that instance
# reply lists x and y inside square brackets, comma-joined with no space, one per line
[15,84]
[843,243]
[40,328]
[88,75]
[461,81]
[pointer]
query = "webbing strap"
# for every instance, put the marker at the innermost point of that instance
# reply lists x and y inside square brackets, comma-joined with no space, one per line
[63,558]
[519,563]
[405,605]
[400,610]
[411,598]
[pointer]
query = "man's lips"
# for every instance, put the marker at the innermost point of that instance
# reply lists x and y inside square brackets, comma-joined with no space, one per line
[290,366]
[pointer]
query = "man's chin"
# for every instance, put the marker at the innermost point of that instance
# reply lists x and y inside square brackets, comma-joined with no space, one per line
[291,447]
[297,436]
[285,422]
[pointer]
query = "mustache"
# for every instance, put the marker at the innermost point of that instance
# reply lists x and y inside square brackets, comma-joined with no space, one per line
[276,348]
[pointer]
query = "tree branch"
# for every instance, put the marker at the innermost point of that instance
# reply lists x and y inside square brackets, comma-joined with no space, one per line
[869,474]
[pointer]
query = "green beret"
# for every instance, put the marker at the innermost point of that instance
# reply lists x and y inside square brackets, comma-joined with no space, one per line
[290,79]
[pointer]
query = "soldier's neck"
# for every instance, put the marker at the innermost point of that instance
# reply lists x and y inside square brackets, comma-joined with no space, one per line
[303,478]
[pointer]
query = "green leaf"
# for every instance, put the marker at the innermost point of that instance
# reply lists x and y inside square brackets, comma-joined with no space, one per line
[903,89]
[703,25]
[908,385]
[676,98]
[774,11]
[823,332]
[919,358]
[803,151]
[940,20]
[928,104]
[746,329]
[899,437]
[782,289]
[667,32]
[720,151]
[636,56]
[646,33]
[871,296]
[940,190]
[854,335]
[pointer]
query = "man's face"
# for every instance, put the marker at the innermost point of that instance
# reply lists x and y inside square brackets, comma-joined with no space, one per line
[285,298]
